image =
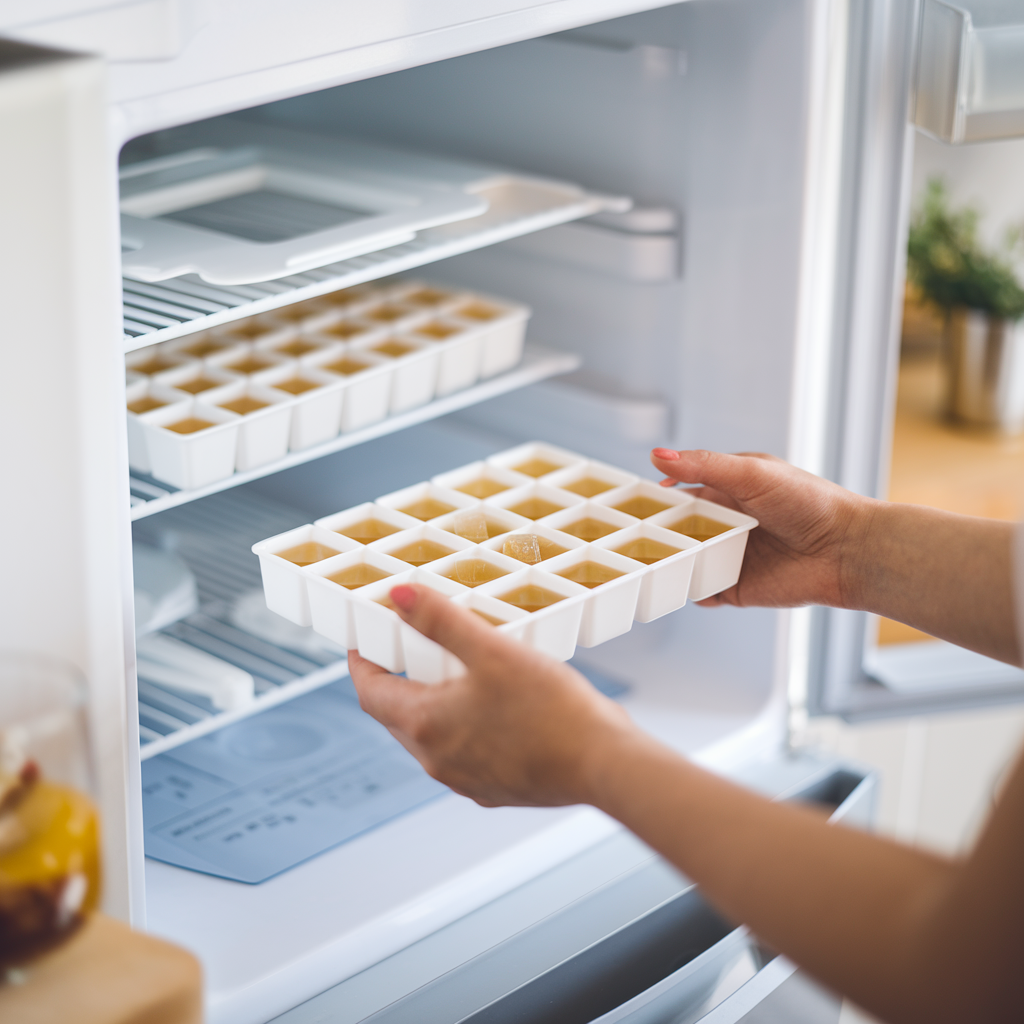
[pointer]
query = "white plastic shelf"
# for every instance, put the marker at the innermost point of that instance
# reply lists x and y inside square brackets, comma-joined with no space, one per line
[151,496]
[159,306]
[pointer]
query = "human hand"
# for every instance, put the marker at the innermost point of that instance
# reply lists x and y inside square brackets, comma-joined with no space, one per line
[515,728]
[805,550]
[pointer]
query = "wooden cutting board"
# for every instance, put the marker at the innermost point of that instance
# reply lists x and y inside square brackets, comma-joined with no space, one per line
[107,974]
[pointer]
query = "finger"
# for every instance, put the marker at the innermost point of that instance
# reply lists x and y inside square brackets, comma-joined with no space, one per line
[388,698]
[742,476]
[456,629]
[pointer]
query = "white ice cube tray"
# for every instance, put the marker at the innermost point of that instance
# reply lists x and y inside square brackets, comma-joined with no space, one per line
[371,351]
[478,551]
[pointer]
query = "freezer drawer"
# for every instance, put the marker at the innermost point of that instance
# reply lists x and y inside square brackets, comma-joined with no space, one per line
[644,948]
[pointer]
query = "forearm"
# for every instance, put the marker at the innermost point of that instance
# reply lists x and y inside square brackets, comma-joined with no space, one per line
[851,908]
[945,574]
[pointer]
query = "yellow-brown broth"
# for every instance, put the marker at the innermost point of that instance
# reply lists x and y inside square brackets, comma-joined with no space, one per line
[358,575]
[590,574]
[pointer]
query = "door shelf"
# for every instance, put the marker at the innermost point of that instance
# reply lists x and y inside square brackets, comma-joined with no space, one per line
[150,496]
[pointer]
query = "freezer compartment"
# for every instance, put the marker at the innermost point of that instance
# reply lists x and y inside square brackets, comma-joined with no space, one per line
[641,946]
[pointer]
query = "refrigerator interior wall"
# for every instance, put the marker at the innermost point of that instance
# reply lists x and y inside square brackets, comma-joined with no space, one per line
[696,109]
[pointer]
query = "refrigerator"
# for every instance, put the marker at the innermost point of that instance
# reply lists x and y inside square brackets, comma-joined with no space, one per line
[704,205]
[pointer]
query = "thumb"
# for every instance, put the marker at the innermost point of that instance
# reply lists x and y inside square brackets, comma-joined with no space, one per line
[436,617]
[744,477]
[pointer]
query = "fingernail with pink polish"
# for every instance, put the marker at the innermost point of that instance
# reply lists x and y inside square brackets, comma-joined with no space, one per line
[404,597]
[667,454]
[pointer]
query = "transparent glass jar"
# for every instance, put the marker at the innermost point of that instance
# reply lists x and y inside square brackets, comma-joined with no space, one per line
[49,828]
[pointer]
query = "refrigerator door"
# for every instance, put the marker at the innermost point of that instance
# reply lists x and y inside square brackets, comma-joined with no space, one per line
[844,414]
[643,948]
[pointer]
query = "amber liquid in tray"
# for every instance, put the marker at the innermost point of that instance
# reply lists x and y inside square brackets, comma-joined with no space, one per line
[419,552]
[296,347]
[471,572]
[307,553]
[530,597]
[250,364]
[589,529]
[393,348]
[646,550]
[197,385]
[427,508]
[537,467]
[366,531]
[642,506]
[147,403]
[590,574]
[189,425]
[491,619]
[346,366]
[588,486]
[358,575]
[482,487]
[535,508]
[296,385]
[244,405]
[699,527]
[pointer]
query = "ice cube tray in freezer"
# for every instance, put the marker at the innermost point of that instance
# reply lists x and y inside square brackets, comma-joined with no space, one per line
[597,550]
[340,363]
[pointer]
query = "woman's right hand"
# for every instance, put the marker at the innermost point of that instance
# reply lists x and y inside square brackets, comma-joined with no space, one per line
[806,547]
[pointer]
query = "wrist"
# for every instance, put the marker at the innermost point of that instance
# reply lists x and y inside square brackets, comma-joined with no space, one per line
[858,551]
[612,766]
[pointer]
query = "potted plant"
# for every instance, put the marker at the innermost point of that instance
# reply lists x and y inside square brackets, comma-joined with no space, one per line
[983,304]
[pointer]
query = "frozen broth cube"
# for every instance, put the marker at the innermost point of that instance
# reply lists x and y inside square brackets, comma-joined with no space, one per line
[471,525]
[523,546]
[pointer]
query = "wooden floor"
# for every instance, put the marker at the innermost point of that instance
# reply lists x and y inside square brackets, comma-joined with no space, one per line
[945,465]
